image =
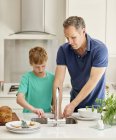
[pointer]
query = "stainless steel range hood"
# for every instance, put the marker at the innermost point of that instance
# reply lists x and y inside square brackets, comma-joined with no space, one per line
[33,15]
[31,35]
[38,20]
[39,15]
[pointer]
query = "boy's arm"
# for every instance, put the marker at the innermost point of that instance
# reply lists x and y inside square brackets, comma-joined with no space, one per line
[21,101]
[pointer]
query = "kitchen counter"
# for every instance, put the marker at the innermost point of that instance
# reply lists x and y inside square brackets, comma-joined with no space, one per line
[81,131]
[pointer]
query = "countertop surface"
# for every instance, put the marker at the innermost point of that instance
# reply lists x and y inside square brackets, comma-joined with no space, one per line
[82,131]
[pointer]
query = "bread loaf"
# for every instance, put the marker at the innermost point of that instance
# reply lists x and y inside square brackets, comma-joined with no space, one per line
[5,114]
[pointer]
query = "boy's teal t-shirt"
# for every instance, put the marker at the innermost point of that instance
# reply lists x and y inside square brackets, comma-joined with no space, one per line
[37,91]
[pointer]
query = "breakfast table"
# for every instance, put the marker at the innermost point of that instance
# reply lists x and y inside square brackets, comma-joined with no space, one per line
[83,130]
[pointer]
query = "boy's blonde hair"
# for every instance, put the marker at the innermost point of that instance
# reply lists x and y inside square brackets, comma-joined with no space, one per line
[37,55]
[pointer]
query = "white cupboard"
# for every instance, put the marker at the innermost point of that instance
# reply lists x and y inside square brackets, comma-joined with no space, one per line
[9,17]
[111,26]
[111,39]
[94,14]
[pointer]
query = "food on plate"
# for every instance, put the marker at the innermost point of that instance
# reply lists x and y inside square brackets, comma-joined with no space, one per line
[16,126]
[32,123]
[20,125]
[5,114]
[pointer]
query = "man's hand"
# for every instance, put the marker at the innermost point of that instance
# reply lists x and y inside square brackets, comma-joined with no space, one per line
[68,110]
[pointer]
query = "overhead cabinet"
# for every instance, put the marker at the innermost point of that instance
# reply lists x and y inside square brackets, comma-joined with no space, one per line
[111,23]
[94,14]
[9,17]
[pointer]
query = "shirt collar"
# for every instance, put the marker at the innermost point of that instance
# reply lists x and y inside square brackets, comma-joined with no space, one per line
[88,42]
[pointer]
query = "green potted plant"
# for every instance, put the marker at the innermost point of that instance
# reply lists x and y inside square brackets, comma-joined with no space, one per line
[107,108]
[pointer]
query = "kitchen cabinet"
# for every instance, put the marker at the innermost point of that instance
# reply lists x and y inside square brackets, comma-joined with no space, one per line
[111,39]
[94,14]
[1,60]
[9,17]
[111,23]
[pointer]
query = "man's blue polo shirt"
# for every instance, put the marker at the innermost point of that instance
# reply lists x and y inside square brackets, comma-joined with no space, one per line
[79,68]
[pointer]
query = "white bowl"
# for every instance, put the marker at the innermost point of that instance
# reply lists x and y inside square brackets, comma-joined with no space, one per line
[88,113]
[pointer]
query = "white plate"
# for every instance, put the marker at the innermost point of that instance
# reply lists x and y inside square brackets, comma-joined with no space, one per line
[88,112]
[76,115]
[11,126]
[23,132]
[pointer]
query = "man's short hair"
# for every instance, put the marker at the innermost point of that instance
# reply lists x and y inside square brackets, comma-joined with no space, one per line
[77,22]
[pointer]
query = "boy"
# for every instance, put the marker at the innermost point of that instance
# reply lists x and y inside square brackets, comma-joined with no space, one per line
[35,90]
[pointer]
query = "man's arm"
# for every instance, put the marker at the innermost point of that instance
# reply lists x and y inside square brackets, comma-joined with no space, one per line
[58,83]
[95,76]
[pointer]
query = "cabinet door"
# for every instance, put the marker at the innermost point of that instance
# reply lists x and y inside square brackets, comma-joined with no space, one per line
[1,60]
[33,15]
[111,40]
[94,14]
[9,16]
[111,26]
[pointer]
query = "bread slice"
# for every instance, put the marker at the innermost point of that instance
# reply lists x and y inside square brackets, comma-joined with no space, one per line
[5,114]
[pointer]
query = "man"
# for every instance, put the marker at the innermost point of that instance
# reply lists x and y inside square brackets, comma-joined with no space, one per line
[86,59]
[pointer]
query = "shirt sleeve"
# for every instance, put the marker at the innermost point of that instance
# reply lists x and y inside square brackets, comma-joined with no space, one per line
[100,58]
[23,87]
[61,60]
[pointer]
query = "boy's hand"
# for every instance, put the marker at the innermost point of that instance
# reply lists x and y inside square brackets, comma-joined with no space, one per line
[39,112]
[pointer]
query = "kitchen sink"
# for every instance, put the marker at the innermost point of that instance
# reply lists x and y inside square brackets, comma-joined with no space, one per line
[40,120]
[69,120]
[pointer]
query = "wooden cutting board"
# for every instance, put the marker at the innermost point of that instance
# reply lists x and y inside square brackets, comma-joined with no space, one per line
[14,118]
